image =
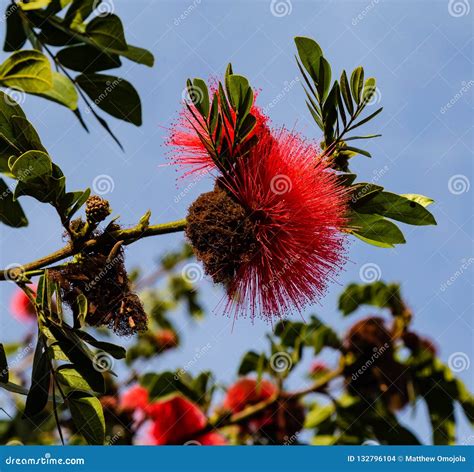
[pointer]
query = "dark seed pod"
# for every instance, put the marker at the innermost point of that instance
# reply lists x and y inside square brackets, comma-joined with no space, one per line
[97,209]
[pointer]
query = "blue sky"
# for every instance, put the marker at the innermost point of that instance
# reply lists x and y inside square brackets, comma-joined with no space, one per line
[421,54]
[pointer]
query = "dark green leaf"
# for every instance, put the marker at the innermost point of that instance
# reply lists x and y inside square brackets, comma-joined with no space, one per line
[15,36]
[309,53]
[88,416]
[324,78]
[32,165]
[40,381]
[166,383]
[199,96]
[11,212]
[3,365]
[398,208]
[346,93]
[237,90]
[85,58]
[115,351]
[375,230]
[250,362]
[107,32]
[357,83]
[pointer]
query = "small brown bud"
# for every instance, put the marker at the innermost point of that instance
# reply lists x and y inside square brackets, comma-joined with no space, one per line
[97,209]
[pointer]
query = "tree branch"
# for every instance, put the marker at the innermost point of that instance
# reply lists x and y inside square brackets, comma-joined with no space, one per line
[128,236]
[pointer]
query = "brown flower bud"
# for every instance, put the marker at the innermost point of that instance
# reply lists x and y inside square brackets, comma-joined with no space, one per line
[97,209]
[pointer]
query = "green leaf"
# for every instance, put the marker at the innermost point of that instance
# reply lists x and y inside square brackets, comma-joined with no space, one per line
[29,71]
[250,363]
[88,416]
[324,78]
[85,58]
[199,95]
[107,32]
[73,201]
[8,109]
[74,349]
[62,92]
[138,55]
[375,230]
[357,82]
[115,351]
[357,150]
[166,383]
[398,208]
[363,192]
[378,294]
[70,377]
[31,165]
[25,135]
[237,90]
[11,212]
[3,365]
[346,92]
[40,381]
[369,90]
[318,414]
[78,12]
[30,5]
[114,95]
[421,199]
[15,36]
[14,388]
[309,53]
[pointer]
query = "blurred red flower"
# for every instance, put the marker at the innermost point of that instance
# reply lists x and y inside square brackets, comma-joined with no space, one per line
[135,398]
[21,306]
[178,420]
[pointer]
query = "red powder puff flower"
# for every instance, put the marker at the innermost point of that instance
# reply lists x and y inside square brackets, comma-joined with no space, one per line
[188,151]
[135,398]
[166,339]
[177,420]
[271,229]
[21,306]
[247,392]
